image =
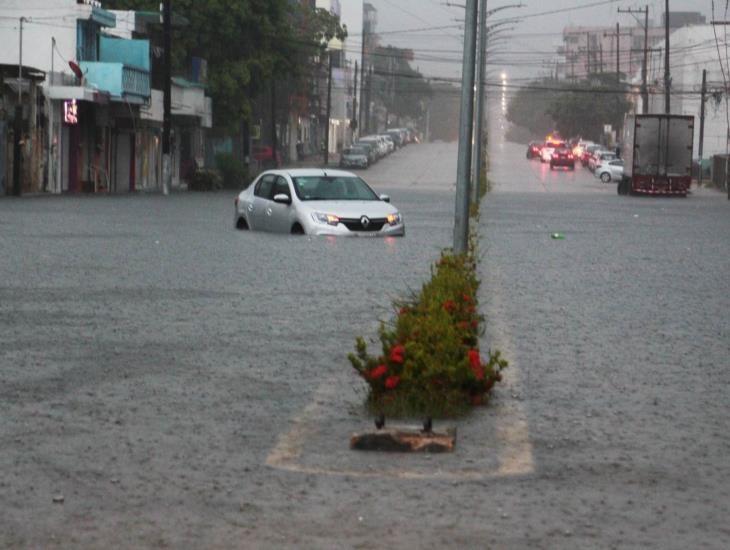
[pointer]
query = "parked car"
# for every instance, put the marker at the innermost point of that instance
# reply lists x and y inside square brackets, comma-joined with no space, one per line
[588,151]
[580,147]
[533,149]
[562,156]
[381,147]
[389,142]
[355,156]
[265,153]
[546,152]
[599,156]
[608,171]
[397,137]
[371,148]
[316,202]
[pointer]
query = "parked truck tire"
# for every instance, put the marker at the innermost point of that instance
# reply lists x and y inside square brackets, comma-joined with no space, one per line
[623,186]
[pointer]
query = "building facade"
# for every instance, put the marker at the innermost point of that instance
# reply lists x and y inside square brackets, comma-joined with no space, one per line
[90,120]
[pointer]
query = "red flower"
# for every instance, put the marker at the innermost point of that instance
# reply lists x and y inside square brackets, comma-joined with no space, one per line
[463,325]
[474,324]
[397,354]
[475,362]
[466,298]
[404,311]
[449,306]
[472,309]
[391,382]
[377,372]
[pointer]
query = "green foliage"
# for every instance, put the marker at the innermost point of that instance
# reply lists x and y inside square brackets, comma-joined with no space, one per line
[233,173]
[246,43]
[530,108]
[430,362]
[205,180]
[398,86]
[574,108]
[585,111]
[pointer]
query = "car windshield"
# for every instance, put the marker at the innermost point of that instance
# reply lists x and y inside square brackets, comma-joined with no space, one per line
[355,151]
[333,188]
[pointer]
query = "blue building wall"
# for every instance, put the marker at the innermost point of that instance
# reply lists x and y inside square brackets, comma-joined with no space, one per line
[134,53]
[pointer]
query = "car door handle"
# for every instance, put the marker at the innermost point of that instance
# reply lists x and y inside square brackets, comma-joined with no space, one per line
[250,207]
[269,211]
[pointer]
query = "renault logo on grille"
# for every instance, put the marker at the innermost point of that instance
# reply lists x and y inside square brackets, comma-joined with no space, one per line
[365,221]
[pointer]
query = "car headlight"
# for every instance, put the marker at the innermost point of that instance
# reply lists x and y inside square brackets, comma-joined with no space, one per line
[394,219]
[327,219]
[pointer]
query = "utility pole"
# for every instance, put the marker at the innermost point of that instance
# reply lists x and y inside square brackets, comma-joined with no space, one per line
[354,124]
[366,122]
[667,75]
[167,99]
[480,100]
[18,123]
[329,112]
[645,61]
[461,217]
[274,139]
[618,50]
[617,42]
[600,57]
[588,53]
[365,31]
[703,95]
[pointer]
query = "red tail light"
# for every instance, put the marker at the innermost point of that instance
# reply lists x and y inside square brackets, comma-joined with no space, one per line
[570,156]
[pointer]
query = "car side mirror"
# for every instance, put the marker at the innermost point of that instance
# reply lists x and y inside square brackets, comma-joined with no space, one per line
[385,198]
[282,198]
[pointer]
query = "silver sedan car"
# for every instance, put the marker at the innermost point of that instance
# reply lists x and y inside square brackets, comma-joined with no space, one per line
[316,202]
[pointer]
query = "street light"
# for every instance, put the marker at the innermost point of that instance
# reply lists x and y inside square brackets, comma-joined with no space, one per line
[485,32]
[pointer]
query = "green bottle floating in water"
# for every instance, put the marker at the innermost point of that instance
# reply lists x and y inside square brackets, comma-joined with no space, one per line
[557,236]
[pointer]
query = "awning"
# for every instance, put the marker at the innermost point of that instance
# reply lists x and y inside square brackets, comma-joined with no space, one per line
[104,17]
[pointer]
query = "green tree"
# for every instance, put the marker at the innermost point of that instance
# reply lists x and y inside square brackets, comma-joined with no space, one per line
[246,43]
[573,108]
[588,105]
[529,107]
[399,87]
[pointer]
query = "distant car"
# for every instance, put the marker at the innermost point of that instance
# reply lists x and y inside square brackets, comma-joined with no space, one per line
[263,153]
[371,148]
[546,152]
[580,147]
[356,157]
[599,157]
[533,149]
[588,152]
[608,171]
[315,201]
[562,156]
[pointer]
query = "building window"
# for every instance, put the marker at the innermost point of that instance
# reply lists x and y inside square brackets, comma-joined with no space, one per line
[87,41]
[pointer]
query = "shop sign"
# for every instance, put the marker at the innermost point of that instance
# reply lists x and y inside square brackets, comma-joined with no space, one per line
[70,112]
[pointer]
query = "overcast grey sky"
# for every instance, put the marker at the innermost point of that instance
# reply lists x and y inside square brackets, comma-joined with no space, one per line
[439,50]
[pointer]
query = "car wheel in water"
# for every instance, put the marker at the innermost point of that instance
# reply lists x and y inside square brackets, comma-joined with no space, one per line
[297,229]
[606,177]
[241,224]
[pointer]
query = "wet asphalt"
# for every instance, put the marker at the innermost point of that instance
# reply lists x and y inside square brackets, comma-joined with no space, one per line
[170,381]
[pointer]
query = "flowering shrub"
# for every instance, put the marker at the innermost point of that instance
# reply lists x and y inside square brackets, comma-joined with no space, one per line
[430,362]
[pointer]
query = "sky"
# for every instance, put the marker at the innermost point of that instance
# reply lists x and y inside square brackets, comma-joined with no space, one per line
[439,50]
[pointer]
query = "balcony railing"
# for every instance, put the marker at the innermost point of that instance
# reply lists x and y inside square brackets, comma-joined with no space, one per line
[122,82]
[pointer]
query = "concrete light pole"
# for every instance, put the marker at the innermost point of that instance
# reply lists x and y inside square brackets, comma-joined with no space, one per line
[466,127]
[18,123]
[167,99]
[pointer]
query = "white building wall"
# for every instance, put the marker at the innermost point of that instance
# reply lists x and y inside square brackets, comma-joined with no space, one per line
[45,19]
[693,49]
